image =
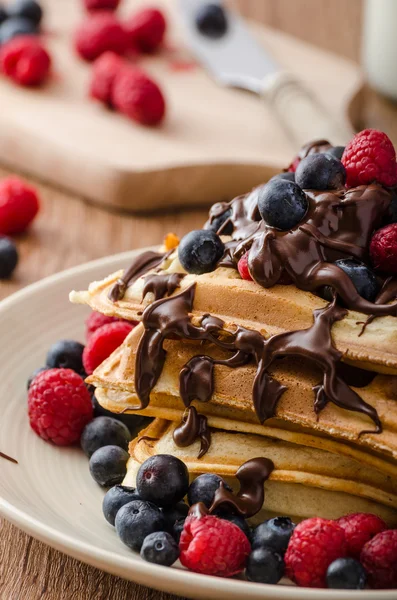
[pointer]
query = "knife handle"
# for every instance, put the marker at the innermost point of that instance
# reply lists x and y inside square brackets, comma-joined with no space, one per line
[300,113]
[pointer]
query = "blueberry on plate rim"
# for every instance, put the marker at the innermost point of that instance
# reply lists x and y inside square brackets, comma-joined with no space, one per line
[264,565]
[160,548]
[108,465]
[274,533]
[346,574]
[203,488]
[104,431]
[66,354]
[136,520]
[162,479]
[115,498]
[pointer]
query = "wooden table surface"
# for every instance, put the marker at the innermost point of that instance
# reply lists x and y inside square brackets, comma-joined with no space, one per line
[69,232]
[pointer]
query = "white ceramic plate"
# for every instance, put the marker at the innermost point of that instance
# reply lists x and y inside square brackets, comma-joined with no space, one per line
[50,493]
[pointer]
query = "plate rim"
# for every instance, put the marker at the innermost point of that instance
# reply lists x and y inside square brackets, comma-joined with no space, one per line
[176,579]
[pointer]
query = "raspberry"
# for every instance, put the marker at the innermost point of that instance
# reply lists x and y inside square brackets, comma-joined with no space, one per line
[213,546]
[379,559]
[96,320]
[314,545]
[59,406]
[103,342]
[369,157]
[242,267]
[383,249]
[19,204]
[92,5]
[24,60]
[138,97]
[146,29]
[100,32]
[104,72]
[359,528]
[294,165]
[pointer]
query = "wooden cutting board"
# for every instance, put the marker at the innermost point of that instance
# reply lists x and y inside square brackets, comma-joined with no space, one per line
[214,144]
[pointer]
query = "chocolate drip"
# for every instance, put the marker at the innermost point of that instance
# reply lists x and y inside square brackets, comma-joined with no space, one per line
[249,499]
[170,318]
[193,427]
[161,285]
[387,293]
[13,460]
[314,147]
[198,510]
[141,264]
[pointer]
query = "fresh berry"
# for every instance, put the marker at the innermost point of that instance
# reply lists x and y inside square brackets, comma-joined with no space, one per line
[274,533]
[336,151]
[213,546]
[96,320]
[100,32]
[217,223]
[17,26]
[174,514]
[3,14]
[383,249]
[146,29]
[103,342]
[66,354]
[379,559]
[320,172]
[104,431]
[115,498]
[160,548]
[178,528]
[136,520]
[26,9]
[203,489]
[359,528]
[108,465]
[25,60]
[287,175]
[363,278]
[34,375]
[200,250]
[163,480]
[19,204]
[314,545]
[264,565]
[92,5]
[242,267]
[59,406]
[282,204]
[211,20]
[8,257]
[103,76]
[370,157]
[346,574]
[237,520]
[138,97]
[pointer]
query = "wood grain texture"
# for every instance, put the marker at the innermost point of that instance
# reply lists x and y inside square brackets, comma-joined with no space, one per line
[69,232]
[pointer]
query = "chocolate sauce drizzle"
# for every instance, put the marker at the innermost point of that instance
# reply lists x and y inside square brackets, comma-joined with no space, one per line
[192,427]
[161,285]
[170,318]
[387,293]
[9,458]
[249,499]
[141,265]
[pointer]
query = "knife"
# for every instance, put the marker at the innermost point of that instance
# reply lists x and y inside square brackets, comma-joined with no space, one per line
[237,60]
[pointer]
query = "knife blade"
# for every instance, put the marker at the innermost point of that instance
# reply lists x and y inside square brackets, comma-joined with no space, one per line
[238,60]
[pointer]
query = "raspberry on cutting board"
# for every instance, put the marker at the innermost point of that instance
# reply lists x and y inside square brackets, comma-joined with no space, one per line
[25,60]
[145,30]
[138,97]
[93,5]
[104,72]
[19,204]
[100,32]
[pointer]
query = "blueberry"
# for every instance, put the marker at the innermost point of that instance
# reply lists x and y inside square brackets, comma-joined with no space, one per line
[203,489]
[163,480]
[274,533]
[173,514]
[115,498]
[200,250]
[8,257]
[66,354]
[34,374]
[160,548]
[104,431]
[108,465]
[3,14]
[16,26]
[27,9]
[336,151]
[237,520]
[363,278]
[136,520]
[287,175]
[320,172]
[217,223]
[264,565]
[211,20]
[178,528]
[346,574]
[282,204]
